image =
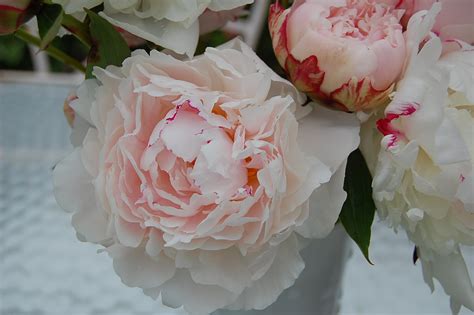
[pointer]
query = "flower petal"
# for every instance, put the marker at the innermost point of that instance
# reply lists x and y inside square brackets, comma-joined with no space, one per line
[137,269]
[160,32]
[196,298]
[329,135]
[282,274]
[325,205]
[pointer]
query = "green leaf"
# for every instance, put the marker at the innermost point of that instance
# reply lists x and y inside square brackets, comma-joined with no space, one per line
[108,46]
[49,22]
[358,212]
[79,29]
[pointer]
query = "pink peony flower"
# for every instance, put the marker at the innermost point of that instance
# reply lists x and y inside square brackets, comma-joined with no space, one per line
[13,14]
[345,52]
[192,175]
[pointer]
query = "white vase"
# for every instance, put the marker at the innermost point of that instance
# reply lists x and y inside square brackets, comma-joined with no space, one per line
[318,288]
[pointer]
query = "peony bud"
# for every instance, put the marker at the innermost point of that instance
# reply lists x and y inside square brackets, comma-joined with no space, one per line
[345,52]
[13,14]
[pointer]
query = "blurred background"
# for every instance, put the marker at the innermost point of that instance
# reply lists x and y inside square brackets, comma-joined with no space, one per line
[45,270]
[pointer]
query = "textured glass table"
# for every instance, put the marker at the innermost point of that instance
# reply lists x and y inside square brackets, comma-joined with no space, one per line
[45,270]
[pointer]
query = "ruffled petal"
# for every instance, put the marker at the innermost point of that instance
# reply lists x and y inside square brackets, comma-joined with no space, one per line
[451,271]
[325,205]
[74,191]
[197,299]
[286,267]
[137,269]
[224,268]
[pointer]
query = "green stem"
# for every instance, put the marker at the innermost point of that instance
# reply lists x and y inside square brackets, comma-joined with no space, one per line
[22,34]
[77,28]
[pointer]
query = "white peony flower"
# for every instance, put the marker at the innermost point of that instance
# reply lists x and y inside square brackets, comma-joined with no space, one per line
[173,24]
[422,158]
[195,176]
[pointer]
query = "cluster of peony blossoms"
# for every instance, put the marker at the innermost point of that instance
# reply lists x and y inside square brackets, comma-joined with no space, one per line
[421,153]
[198,179]
[202,177]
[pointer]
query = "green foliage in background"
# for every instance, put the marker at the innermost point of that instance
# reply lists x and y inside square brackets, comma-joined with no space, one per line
[109,47]
[71,46]
[14,54]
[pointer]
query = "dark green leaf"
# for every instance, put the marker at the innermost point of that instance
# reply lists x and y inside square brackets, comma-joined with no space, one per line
[77,28]
[49,22]
[70,45]
[14,54]
[108,46]
[358,211]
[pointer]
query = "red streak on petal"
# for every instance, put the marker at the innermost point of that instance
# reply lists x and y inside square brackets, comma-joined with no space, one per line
[385,126]
[249,190]
[393,141]
[184,106]
[307,76]
[405,110]
[200,132]
[170,119]
[462,178]
[190,104]
[360,95]
[455,41]
[277,24]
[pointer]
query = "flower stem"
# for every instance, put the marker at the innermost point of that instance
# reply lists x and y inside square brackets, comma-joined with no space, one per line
[77,28]
[22,34]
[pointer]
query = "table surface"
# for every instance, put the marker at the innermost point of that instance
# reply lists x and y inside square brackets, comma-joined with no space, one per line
[45,270]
